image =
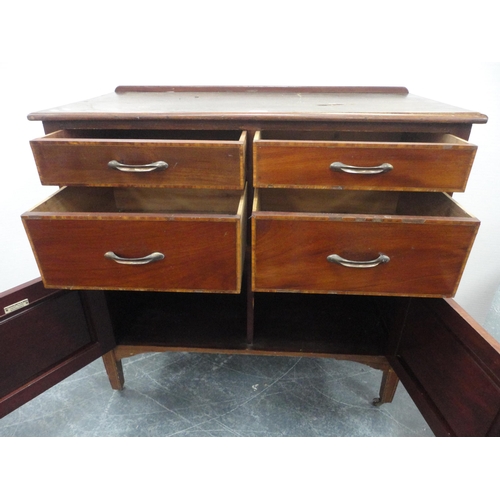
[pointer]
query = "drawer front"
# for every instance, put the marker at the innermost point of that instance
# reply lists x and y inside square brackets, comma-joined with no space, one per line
[134,251]
[378,243]
[213,160]
[420,163]
[293,255]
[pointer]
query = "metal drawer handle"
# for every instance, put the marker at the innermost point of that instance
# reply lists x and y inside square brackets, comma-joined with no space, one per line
[338,166]
[150,167]
[361,264]
[155,256]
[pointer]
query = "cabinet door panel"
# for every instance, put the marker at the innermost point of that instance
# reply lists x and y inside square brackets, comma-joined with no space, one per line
[46,336]
[451,367]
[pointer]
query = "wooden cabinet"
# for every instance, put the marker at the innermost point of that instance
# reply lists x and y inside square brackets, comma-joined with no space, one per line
[278,221]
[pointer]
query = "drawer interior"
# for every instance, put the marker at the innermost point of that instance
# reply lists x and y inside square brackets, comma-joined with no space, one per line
[144,200]
[163,135]
[355,136]
[358,202]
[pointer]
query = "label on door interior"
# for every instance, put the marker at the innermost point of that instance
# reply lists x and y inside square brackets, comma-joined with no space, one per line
[16,306]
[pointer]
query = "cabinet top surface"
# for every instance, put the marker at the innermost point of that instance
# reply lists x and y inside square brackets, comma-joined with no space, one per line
[261,103]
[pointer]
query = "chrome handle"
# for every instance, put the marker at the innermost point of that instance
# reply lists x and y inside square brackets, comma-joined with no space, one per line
[150,167]
[338,166]
[155,256]
[361,264]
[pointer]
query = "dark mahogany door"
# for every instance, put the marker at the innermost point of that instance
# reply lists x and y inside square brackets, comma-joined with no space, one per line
[45,336]
[451,368]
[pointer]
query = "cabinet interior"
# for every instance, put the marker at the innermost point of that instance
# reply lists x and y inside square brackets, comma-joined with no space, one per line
[278,322]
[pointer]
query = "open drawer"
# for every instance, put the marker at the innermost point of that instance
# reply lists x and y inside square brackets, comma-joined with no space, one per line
[377,243]
[147,158]
[140,239]
[355,160]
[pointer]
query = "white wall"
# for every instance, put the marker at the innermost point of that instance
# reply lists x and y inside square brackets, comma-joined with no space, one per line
[55,52]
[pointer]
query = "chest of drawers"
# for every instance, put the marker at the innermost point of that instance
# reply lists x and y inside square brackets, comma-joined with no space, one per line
[271,221]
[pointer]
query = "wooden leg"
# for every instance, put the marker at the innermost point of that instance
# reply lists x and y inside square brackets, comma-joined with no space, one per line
[114,369]
[387,387]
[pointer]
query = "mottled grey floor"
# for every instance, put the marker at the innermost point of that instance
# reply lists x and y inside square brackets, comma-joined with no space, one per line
[185,394]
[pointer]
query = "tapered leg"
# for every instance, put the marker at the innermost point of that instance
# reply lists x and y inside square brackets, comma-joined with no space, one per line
[114,369]
[387,387]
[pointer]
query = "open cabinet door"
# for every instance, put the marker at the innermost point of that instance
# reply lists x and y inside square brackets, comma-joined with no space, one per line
[451,368]
[45,336]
